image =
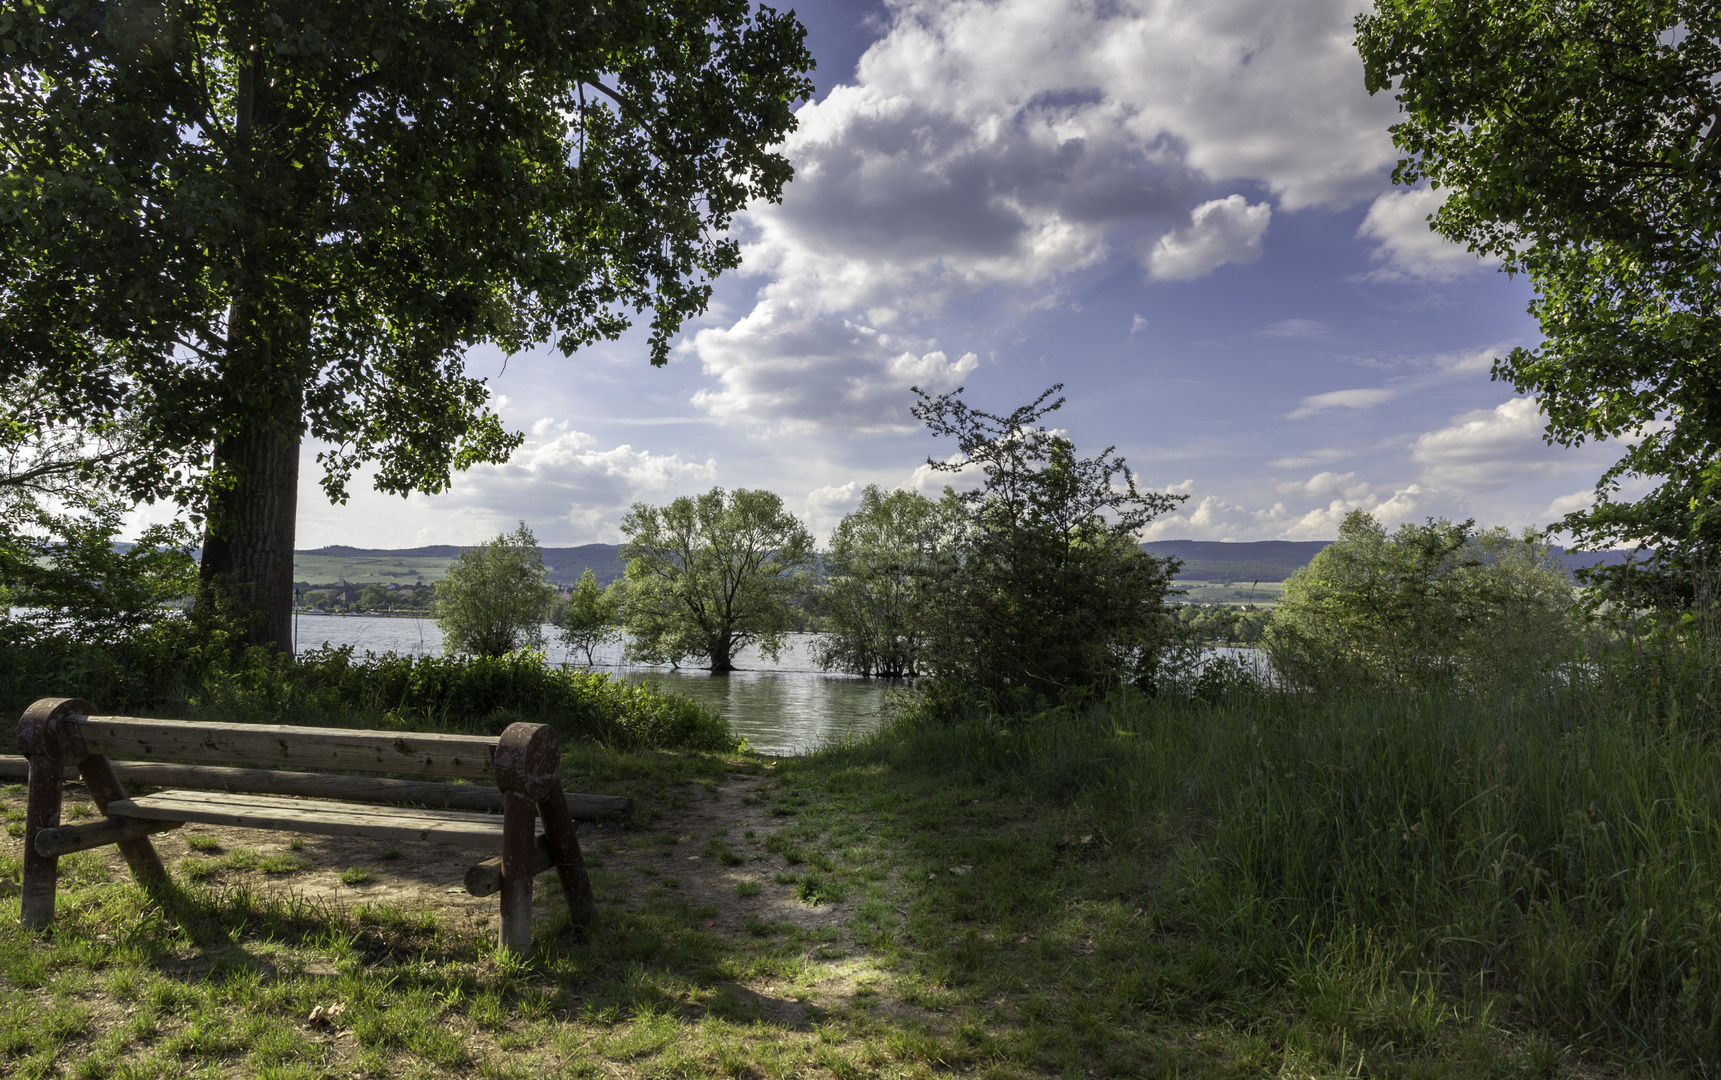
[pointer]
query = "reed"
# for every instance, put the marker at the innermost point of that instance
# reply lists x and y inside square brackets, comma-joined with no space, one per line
[1556,848]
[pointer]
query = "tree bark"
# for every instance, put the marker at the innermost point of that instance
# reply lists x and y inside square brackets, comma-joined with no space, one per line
[247,562]
[248,550]
[722,661]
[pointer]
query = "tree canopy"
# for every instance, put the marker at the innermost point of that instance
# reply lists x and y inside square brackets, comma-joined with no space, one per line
[590,618]
[709,575]
[1043,593]
[875,581]
[1580,143]
[1432,604]
[231,226]
[495,599]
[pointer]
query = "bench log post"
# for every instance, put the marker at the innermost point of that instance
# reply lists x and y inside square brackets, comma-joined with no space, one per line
[518,816]
[105,787]
[527,758]
[39,738]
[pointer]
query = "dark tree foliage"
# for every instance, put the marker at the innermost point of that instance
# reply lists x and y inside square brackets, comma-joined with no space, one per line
[233,225]
[1044,594]
[873,596]
[709,575]
[1580,143]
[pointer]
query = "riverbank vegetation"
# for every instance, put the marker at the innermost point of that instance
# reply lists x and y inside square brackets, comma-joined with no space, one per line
[1227,881]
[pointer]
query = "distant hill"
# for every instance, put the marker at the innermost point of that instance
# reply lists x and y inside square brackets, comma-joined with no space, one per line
[1276,560]
[359,566]
[1215,560]
[1203,560]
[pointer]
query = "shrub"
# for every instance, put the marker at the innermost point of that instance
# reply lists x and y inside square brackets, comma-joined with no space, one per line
[495,598]
[1427,605]
[1043,594]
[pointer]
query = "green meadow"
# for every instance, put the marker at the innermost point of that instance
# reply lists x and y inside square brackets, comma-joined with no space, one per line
[365,569]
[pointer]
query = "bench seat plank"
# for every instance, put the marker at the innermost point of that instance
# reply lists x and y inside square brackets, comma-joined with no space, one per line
[470,757]
[317,817]
[326,786]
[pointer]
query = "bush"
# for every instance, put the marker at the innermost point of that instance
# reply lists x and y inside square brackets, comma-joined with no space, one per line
[178,670]
[459,693]
[1429,605]
[1043,594]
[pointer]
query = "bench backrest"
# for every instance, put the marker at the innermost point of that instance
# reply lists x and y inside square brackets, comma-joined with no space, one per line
[471,757]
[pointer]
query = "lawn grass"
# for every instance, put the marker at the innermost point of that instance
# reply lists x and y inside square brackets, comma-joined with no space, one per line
[1086,895]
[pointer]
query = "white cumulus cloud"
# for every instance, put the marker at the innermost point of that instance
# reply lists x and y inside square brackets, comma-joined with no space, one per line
[1398,224]
[1485,448]
[1003,143]
[566,489]
[1227,230]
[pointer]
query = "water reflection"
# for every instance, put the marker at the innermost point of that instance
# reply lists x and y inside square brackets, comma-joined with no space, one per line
[782,706]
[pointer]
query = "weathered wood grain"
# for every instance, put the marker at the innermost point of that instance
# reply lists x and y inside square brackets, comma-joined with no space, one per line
[104,787]
[66,839]
[485,878]
[468,756]
[318,818]
[374,789]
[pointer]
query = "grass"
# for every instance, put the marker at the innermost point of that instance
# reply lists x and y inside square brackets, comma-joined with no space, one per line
[1522,887]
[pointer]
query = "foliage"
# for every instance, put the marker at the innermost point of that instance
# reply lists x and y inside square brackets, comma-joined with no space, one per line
[1217,623]
[590,616]
[186,669]
[495,599]
[1545,852]
[228,228]
[47,456]
[709,575]
[459,693]
[63,577]
[1427,605]
[1044,593]
[1579,144]
[874,584]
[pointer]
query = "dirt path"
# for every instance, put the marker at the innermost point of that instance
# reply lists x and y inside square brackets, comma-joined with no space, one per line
[630,864]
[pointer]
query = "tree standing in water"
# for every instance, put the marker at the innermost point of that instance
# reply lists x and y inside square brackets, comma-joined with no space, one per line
[709,575]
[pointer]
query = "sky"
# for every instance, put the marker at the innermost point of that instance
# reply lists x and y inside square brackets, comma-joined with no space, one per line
[1182,210]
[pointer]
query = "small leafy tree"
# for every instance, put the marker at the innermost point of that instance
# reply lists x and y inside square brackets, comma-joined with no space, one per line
[63,579]
[875,583]
[494,599]
[709,575]
[1427,605]
[1044,594]
[589,618]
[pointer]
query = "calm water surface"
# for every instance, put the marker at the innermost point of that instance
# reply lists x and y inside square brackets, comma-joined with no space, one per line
[782,706]
[786,706]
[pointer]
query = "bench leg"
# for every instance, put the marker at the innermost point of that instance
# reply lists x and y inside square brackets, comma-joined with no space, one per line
[41,873]
[518,818]
[104,785]
[564,847]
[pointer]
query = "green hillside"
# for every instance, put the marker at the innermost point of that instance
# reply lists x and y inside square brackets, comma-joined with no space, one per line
[428,565]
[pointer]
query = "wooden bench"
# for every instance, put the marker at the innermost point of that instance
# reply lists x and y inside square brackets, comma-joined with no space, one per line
[58,733]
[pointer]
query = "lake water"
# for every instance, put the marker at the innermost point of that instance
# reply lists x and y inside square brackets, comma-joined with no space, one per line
[785,706]
[782,706]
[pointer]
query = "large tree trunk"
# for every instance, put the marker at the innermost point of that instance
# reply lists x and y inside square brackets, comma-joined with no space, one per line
[248,551]
[722,648]
[248,547]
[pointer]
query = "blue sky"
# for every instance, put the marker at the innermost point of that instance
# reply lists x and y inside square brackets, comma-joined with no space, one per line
[1182,211]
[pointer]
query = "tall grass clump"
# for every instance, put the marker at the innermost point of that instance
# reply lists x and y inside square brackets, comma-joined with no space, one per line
[179,675]
[1558,850]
